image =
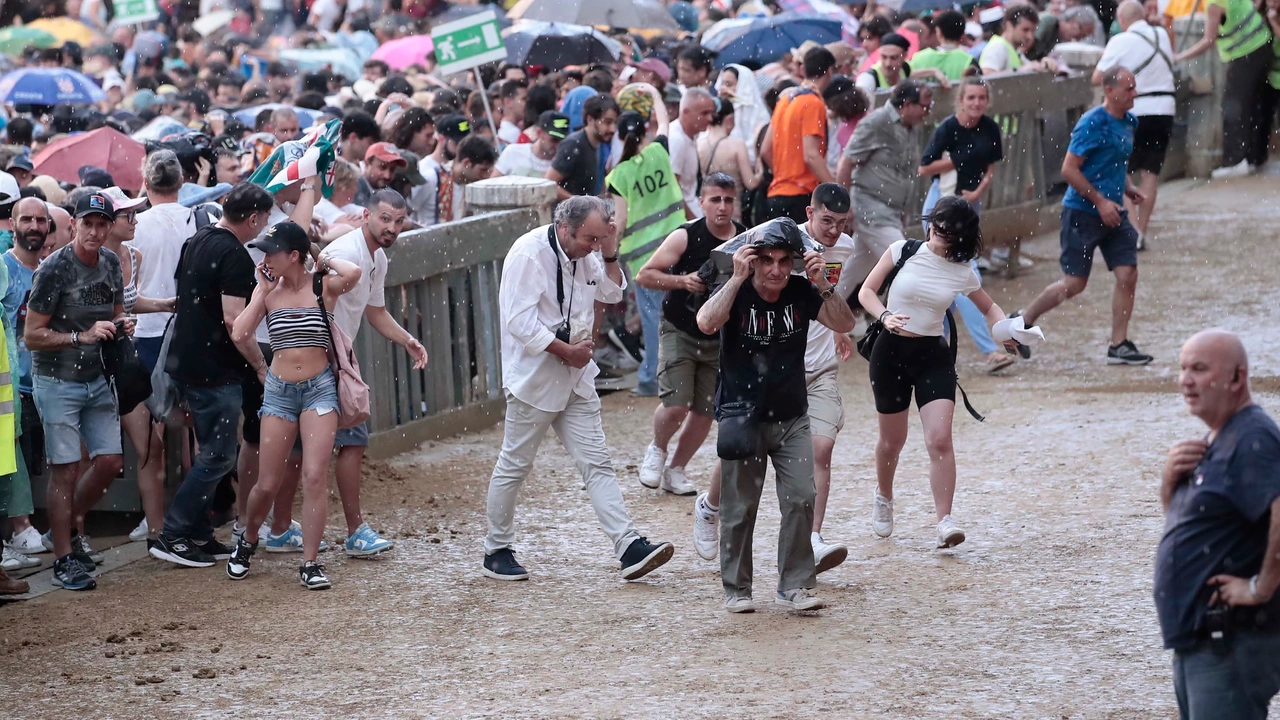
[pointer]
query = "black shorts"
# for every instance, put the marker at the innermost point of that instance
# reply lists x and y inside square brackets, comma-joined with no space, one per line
[1150,142]
[251,400]
[900,365]
[792,206]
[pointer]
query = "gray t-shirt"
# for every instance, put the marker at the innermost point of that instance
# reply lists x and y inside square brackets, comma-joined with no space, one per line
[75,296]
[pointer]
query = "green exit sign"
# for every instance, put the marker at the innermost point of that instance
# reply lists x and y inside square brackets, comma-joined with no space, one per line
[467,43]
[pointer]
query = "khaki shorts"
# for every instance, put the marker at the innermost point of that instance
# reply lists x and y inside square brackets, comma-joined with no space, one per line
[688,370]
[826,409]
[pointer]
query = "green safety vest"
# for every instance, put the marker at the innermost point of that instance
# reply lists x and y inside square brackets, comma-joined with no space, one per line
[952,63]
[1273,77]
[1245,30]
[1015,58]
[655,204]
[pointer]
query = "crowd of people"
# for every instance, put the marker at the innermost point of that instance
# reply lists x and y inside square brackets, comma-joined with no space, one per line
[231,291]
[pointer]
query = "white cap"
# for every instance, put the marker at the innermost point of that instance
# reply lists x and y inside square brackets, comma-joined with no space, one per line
[121,201]
[973,30]
[111,79]
[9,191]
[990,15]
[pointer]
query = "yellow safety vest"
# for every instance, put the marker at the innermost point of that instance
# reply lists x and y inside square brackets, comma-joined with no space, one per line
[1243,29]
[655,203]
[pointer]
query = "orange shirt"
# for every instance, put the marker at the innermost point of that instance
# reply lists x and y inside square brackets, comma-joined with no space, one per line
[798,113]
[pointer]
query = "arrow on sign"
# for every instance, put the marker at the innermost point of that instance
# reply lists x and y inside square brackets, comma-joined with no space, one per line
[472,41]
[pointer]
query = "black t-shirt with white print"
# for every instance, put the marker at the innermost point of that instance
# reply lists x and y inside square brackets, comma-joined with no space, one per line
[747,362]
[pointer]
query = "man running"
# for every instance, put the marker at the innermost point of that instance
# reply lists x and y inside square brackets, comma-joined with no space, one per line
[1093,216]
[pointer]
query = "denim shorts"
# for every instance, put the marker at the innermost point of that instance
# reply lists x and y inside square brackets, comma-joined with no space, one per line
[357,436]
[288,400]
[72,412]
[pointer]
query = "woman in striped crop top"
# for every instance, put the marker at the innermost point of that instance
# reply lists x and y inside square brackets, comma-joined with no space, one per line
[301,393]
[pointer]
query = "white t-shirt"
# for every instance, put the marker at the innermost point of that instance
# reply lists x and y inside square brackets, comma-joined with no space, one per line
[160,235]
[327,12]
[422,201]
[926,286]
[329,212]
[353,247]
[521,160]
[509,132]
[684,163]
[1129,49]
[820,352]
[995,57]
[277,216]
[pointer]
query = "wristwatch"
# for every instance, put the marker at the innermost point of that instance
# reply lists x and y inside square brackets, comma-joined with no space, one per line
[75,339]
[826,294]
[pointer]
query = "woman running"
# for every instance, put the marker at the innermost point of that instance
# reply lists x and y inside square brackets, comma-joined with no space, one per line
[911,355]
[301,392]
[961,157]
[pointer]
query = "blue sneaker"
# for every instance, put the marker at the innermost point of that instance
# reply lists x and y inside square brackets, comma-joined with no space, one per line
[367,543]
[289,541]
[69,574]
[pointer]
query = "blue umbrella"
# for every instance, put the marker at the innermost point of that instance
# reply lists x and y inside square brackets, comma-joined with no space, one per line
[764,40]
[48,86]
[306,118]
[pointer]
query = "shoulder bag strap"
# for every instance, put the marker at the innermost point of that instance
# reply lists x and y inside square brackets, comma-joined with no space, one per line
[317,286]
[908,251]
[555,256]
[1155,45]
[955,351]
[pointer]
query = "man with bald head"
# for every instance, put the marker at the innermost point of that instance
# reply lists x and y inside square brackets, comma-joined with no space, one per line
[1218,564]
[59,230]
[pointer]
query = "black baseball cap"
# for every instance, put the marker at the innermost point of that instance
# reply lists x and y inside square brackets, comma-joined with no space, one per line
[283,237]
[228,143]
[454,127]
[840,84]
[96,176]
[20,161]
[96,203]
[554,124]
[631,123]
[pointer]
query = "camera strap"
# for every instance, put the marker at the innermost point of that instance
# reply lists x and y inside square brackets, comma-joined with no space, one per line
[555,252]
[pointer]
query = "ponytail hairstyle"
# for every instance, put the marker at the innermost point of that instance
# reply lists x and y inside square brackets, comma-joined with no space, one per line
[954,221]
[632,127]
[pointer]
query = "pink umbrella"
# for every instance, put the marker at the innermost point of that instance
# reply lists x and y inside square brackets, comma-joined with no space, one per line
[400,54]
[106,148]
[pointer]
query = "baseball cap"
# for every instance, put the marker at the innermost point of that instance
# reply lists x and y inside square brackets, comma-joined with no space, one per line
[21,162]
[840,84]
[120,201]
[554,124]
[283,237]
[228,143]
[454,127]
[386,152]
[655,65]
[9,190]
[897,40]
[96,176]
[631,123]
[410,170]
[97,203]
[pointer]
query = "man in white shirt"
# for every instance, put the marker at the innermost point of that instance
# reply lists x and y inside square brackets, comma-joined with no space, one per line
[697,108]
[551,279]
[534,159]
[513,95]
[160,234]
[1004,52]
[384,218]
[1147,52]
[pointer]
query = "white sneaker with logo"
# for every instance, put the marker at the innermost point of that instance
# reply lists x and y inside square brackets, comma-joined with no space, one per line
[140,533]
[706,529]
[882,517]
[826,555]
[676,482]
[655,461]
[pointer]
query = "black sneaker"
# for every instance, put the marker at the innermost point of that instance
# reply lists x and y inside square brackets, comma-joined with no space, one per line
[312,576]
[1126,353]
[1023,350]
[180,551]
[238,563]
[69,574]
[626,342]
[215,549]
[502,565]
[643,557]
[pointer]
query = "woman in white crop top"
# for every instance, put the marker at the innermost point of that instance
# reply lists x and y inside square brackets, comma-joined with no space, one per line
[912,356]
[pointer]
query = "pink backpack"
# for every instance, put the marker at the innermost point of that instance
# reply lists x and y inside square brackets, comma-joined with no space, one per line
[353,393]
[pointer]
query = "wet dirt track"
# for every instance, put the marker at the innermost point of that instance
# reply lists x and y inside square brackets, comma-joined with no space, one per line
[1045,612]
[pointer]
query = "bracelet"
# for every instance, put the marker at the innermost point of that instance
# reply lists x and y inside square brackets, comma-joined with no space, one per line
[886,312]
[612,259]
[1253,587]
[75,339]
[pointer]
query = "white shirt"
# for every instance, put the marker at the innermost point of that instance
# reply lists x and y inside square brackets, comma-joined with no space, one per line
[353,248]
[521,160]
[422,201]
[684,163]
[530,315]
[509,132]
[327,12]
[160,235]
[866,82]
[926,286]
[820,352]
[995,57]
[277,216]
[329,212]
[1129,49]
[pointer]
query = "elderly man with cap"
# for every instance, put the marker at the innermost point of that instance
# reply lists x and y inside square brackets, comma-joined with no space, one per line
[534,159]
[20,168]
[76,303]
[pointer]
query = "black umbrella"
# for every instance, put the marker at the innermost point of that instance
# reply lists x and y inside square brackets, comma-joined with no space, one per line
[557,45]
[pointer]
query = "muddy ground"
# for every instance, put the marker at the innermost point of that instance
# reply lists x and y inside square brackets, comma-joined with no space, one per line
[1044,613]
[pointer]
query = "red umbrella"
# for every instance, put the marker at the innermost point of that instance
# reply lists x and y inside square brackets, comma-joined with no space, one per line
[106,148]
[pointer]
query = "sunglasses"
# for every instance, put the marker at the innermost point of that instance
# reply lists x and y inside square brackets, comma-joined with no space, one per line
[130,216]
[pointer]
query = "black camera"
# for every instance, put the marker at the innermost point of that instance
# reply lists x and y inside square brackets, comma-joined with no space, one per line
[563,334]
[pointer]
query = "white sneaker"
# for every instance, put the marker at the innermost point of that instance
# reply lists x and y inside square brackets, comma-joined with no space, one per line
[882,517]
[140,533]
[798,599]
[651,469]
[28,542]
[706,529]
[1239,170]
[949,534]
[12,560]
[676,482]
[826,556]
[739,604]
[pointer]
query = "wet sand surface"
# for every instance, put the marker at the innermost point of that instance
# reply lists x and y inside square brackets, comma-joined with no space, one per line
[1045,612]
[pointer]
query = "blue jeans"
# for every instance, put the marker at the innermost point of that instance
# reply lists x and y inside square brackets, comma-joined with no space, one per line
[1237,685]
[974,321]
[650,306]
[216,413]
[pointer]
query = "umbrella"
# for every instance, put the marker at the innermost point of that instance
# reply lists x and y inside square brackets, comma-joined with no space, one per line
[613,13]
[557,45]
[13,40]
[48,86]
[105,148]
[400,54]
[458,12]
[344,61]
[764,40]
[906,5]
[306,118]
[654,15]
[826,9]
[66,29]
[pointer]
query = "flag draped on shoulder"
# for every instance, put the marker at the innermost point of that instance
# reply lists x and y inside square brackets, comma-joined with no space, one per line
[295,160]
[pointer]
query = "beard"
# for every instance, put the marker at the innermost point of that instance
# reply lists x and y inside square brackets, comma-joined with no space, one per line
[27,240]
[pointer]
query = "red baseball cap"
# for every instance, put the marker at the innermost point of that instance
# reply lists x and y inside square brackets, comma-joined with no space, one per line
[386,152]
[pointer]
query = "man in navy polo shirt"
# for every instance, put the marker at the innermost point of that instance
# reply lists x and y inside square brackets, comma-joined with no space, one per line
[1218,564]
[1093,214]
